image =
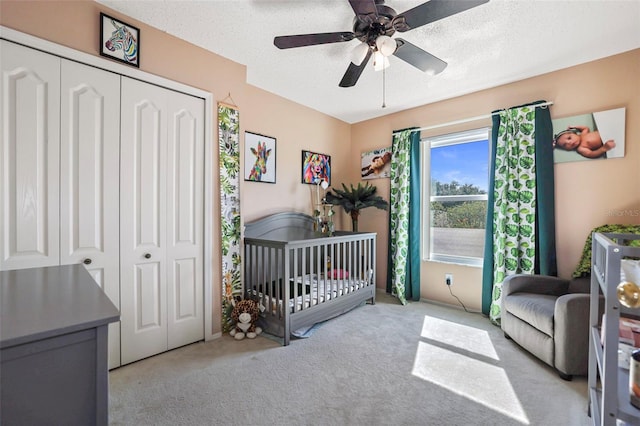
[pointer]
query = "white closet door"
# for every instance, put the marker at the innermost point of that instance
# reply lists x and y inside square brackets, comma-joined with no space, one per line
[89,179]
[29,157]
[143,277]
[185,219]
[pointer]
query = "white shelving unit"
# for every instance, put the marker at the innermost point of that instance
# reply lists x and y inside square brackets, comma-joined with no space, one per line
[609,383]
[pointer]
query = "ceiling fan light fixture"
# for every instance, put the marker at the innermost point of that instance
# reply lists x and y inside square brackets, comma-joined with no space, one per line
[386,45]
[359,53]
[374,24]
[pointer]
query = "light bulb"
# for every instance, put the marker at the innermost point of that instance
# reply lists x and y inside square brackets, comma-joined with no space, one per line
[380,62]
[359,53]
[628,294]
[386,45]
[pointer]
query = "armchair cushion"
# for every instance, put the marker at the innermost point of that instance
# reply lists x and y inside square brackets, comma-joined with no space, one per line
[535,309]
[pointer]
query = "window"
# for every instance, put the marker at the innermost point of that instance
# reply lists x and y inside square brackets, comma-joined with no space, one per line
[455,169]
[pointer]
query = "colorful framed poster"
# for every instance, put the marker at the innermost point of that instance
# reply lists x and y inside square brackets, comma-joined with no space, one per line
[119,41]
[259,158]
[316,167]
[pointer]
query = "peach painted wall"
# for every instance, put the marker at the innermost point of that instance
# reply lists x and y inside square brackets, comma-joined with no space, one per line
[75,24]
[587,192]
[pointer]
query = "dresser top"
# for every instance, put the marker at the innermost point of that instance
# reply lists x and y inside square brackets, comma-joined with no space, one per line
[40,303]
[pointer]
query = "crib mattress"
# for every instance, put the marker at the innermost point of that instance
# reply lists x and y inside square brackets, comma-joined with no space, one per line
[316,291]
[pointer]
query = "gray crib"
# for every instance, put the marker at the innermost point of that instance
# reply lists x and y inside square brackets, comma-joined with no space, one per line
[302,278]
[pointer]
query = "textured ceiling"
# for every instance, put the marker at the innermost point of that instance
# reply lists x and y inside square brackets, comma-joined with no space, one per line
[496,43]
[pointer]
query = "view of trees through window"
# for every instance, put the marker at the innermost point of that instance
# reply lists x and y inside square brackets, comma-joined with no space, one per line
[457,214]
[458,167]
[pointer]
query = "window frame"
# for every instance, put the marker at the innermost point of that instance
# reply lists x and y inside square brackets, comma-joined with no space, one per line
[428,143]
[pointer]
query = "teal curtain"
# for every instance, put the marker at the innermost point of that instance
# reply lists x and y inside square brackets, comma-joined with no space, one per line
[403,265]
[520,231]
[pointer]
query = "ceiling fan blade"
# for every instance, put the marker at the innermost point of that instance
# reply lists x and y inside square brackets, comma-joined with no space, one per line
[350,78]
[432,11]
[287,42]
[365,10]
[413,55]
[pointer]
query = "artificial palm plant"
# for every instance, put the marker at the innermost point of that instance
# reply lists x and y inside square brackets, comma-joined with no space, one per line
[355,199]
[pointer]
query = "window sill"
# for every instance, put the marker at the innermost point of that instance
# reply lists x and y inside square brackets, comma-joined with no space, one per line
[475,263]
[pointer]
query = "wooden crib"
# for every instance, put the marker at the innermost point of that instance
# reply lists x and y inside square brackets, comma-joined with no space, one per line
[301,277]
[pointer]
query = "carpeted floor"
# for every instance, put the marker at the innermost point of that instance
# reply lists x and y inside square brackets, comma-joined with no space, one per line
[383,364]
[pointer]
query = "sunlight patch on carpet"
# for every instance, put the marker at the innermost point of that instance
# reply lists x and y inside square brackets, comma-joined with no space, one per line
[455,367]
[458,335]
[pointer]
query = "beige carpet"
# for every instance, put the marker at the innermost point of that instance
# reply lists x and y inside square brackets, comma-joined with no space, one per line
[386,364]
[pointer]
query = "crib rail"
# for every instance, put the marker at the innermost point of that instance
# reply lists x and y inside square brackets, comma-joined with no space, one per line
[294,278]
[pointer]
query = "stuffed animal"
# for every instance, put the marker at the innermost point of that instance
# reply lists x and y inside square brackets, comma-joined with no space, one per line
[245,314]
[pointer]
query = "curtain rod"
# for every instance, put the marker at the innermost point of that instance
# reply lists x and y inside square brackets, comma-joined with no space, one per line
[468,120]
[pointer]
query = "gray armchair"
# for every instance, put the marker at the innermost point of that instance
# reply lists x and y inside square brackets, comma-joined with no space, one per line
[549,317]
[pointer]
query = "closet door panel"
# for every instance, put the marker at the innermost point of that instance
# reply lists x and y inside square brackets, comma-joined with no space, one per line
[147,290]
[29,157]
[143,221]
[185,219]
[89,179]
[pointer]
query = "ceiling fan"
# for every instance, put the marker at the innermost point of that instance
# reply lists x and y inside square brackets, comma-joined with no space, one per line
[374,24]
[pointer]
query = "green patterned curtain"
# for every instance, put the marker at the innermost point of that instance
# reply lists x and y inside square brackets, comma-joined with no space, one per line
[520,233]
[403,267]
[229,154]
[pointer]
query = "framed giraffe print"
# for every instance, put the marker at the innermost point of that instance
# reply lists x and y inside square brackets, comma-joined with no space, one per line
[119,41]
[259,158]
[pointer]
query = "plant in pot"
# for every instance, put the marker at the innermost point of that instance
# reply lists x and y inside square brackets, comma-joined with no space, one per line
[355,199]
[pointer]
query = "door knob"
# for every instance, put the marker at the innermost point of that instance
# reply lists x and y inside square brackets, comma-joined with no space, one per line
[87,261]
[147,255]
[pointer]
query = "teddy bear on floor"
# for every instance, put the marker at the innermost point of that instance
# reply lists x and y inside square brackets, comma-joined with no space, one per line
[245,314]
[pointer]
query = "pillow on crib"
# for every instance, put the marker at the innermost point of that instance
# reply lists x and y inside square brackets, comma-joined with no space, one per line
[339,274]
[630,270]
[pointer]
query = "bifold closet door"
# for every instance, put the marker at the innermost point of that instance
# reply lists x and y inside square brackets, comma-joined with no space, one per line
[89,179]
[29,157]
[161,241]
[185,219]
[143,189]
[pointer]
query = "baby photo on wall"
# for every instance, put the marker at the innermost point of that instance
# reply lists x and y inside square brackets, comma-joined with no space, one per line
[376,164]
[598,135]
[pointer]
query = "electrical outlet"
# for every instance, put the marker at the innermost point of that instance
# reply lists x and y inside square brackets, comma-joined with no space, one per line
[448,279]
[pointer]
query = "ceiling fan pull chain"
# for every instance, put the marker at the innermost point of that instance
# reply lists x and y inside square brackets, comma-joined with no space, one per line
[384,105]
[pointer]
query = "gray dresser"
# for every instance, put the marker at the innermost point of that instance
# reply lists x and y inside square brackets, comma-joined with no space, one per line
[53,347]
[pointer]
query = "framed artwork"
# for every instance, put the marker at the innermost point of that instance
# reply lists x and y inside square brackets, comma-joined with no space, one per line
[259,158]
[376,164]
[315,167]
[119,41]
[598,135]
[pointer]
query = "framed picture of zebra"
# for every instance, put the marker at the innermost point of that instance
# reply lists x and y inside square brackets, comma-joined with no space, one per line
[119,41]
[259,158]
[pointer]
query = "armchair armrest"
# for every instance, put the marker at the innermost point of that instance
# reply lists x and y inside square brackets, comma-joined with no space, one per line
[571,332]
[539,284]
